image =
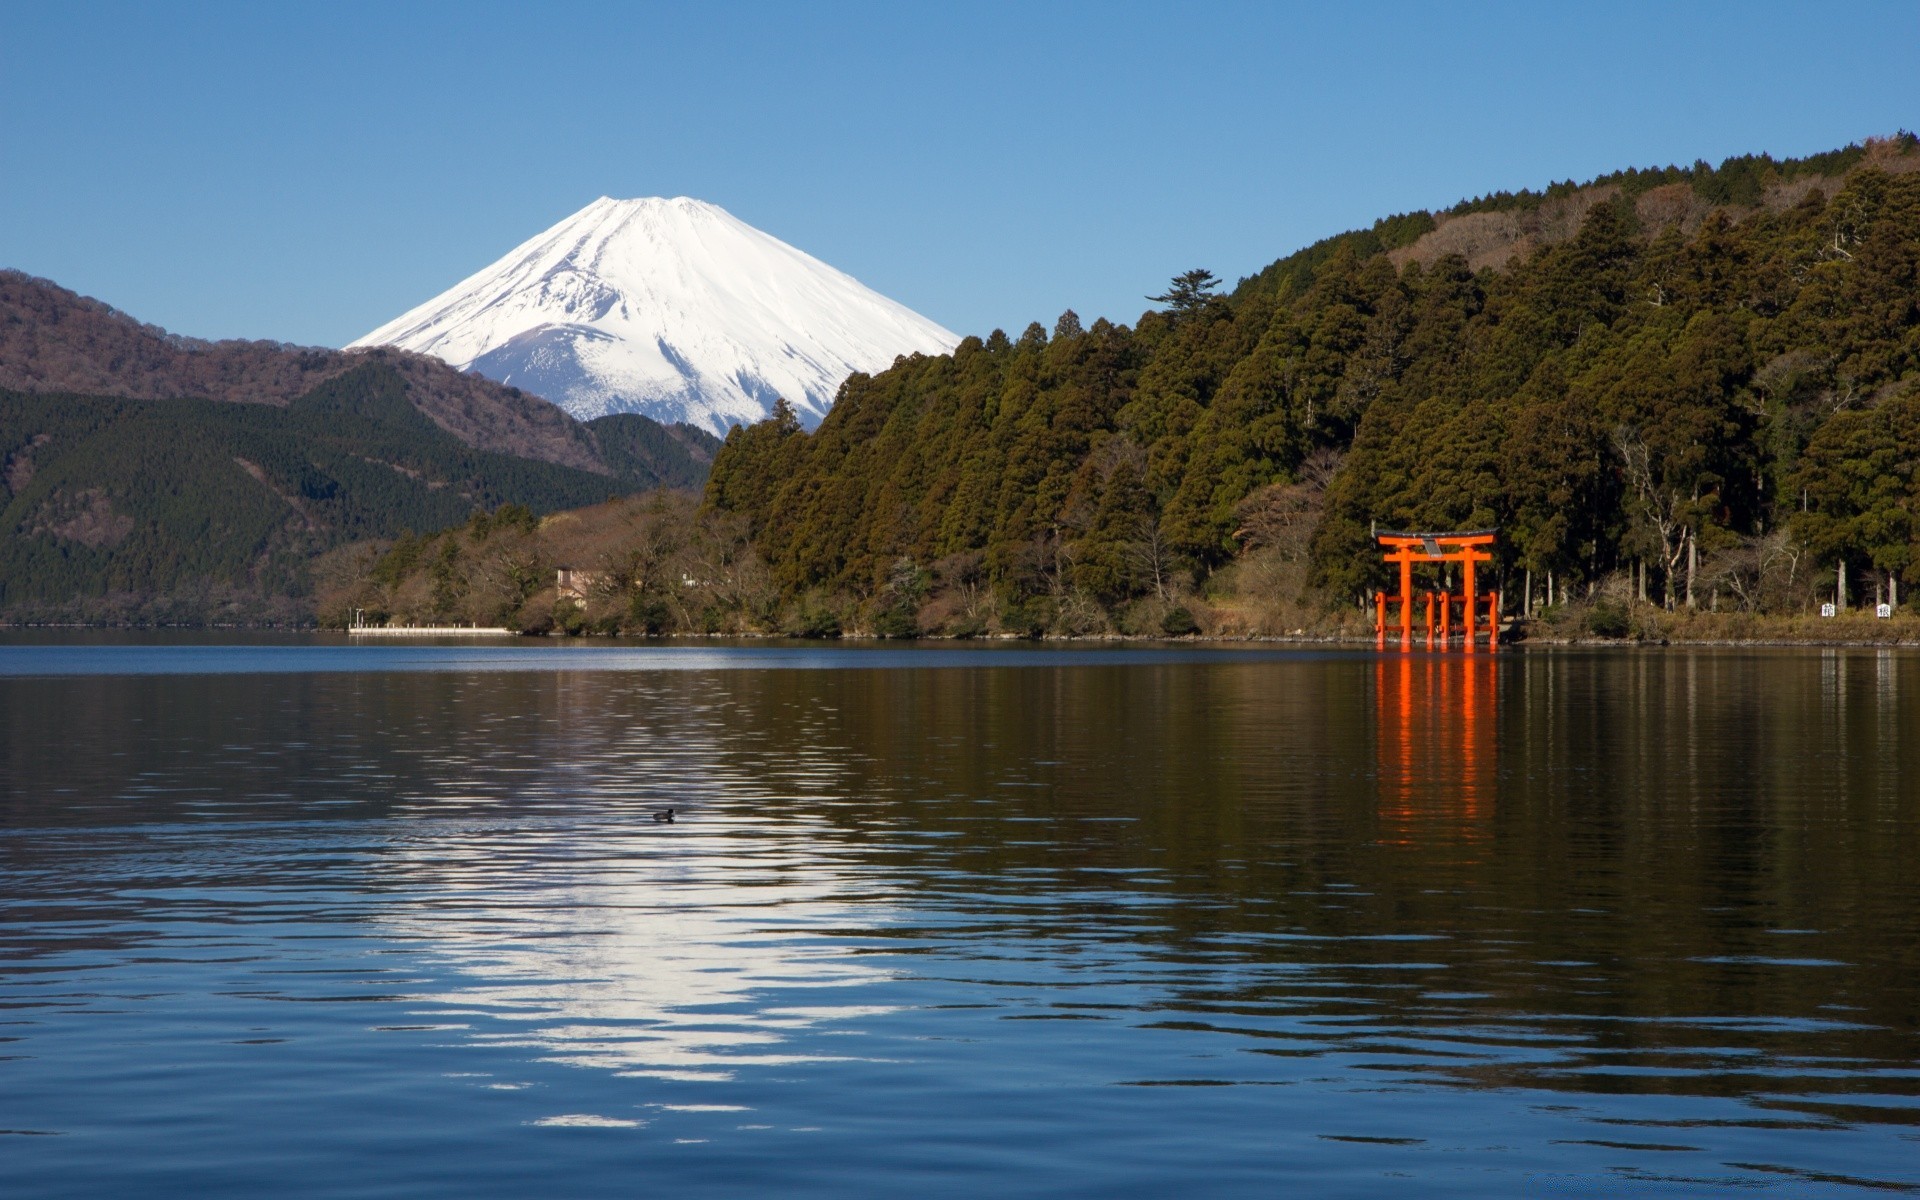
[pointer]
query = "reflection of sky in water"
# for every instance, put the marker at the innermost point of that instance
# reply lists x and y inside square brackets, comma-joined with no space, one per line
[1637,920]
[644,950]
[330,656]
[602,938]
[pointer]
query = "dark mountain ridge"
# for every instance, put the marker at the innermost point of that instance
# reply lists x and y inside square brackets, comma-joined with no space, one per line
[147,477]
[191,510]
[55,340]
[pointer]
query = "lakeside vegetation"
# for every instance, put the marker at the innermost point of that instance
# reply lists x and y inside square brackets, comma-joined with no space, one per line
[648,564]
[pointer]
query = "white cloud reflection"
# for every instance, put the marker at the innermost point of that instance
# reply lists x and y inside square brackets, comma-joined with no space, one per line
[671,951]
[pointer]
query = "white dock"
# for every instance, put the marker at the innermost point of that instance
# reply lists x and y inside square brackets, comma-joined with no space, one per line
[428,631]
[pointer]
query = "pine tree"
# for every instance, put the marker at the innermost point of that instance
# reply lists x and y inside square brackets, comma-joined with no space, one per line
[1189,292]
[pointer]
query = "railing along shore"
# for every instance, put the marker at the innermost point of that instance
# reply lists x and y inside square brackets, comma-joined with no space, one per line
[427,631]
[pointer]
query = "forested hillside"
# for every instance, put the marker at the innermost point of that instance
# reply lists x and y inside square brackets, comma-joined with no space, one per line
[195,510]
[1697,384]
[151,477]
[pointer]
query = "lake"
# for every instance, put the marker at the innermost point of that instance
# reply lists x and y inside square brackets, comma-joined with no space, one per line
[282,916]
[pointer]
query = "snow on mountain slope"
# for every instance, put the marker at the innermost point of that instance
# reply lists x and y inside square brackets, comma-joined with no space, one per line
[672,308]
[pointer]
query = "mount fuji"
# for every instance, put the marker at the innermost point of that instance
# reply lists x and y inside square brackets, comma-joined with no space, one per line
[671,308]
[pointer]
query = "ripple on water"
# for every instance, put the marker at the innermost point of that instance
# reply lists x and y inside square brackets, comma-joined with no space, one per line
[1020,925]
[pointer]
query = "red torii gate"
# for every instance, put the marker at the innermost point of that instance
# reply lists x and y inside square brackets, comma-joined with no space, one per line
[1468,548]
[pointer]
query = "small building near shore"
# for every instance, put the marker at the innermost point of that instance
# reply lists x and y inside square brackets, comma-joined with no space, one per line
[575,585]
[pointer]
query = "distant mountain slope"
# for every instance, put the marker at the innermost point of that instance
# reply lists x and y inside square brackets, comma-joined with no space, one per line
[1492,231]
[675,456]
[672,308]
[193,510]
[53,340]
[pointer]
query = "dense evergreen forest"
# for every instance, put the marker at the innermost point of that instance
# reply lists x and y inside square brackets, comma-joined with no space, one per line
[1688,387]
[197,510]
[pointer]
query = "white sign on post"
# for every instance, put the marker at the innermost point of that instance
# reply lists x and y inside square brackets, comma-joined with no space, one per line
[1883,611]
[1826,610]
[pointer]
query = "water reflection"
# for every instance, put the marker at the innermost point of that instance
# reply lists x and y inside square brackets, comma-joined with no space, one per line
[633,947]
[1491,921]
[1435,725]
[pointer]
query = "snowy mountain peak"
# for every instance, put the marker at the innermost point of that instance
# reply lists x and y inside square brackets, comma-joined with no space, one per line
[669,307]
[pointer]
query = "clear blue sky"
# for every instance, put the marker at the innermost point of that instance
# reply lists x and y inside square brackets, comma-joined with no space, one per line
[305,172]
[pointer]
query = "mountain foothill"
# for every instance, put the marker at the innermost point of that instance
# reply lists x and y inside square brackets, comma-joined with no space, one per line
[157,479]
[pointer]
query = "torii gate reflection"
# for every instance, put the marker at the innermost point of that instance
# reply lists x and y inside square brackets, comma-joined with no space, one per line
[1436,741]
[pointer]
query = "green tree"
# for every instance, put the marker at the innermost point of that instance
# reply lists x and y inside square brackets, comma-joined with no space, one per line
[1190,291]
[1861,475]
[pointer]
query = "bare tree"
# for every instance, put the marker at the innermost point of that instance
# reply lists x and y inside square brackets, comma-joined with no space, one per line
[1149,555]
[964,577]
[1664,508]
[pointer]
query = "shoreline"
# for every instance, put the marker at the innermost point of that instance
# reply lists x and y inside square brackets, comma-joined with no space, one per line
[1901,638]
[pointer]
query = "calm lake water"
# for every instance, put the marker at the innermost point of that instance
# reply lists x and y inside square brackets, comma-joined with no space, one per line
[305,919]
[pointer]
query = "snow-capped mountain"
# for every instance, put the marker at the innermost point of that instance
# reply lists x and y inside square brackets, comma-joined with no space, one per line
[672,308]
